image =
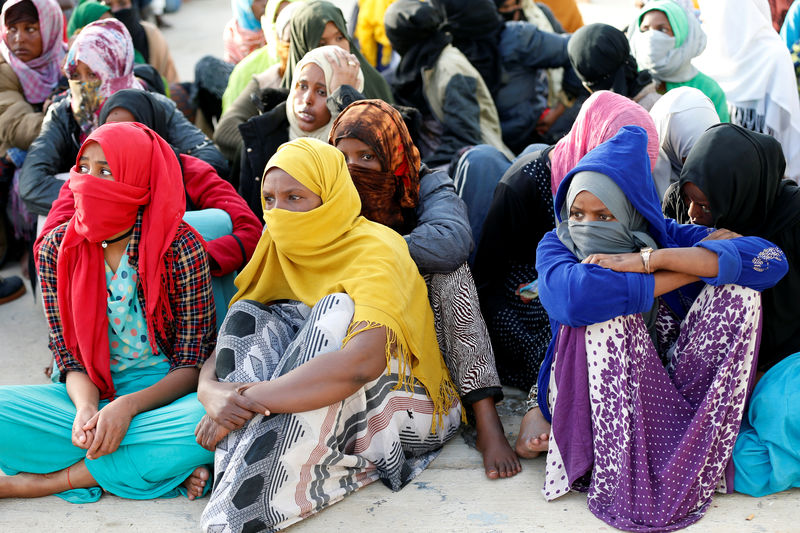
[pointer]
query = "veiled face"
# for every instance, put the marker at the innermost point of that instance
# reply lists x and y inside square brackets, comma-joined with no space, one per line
[93,162]
[358,154]
[282,191]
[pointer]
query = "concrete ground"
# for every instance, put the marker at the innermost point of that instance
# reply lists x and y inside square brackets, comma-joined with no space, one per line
[451,495]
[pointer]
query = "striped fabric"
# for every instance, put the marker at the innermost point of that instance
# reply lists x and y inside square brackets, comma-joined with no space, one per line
[462,335]
[282,468]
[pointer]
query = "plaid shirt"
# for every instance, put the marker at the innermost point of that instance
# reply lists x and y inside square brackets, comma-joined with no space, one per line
[189,337]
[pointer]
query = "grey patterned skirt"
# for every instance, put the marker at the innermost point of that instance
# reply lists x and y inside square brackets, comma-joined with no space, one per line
[279,469]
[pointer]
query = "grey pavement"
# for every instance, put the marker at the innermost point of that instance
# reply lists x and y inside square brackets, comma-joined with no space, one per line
[451,495]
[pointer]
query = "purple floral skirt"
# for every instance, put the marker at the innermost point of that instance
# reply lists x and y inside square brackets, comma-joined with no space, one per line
[649,434]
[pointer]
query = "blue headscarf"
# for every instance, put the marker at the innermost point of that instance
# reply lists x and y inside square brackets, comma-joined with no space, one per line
[243,11]
[623,158]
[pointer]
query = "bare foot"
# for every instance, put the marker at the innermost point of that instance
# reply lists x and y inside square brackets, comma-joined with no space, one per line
[208,433]
[196,482]
[534,434]
[499,460]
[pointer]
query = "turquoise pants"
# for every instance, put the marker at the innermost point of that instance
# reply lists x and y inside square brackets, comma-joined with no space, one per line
[157,454]
[767,452]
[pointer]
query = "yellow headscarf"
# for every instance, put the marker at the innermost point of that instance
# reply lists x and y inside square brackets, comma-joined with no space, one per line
[306,256]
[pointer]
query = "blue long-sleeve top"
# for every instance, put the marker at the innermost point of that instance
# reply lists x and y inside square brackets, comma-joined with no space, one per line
[576,294]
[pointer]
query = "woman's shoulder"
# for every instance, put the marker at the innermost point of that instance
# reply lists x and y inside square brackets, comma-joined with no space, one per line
[8,78]
[52,241]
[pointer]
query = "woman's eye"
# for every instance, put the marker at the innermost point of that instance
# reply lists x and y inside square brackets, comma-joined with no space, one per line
[83,169]
[268,198]
[322,93]
[105,172]
[294,197]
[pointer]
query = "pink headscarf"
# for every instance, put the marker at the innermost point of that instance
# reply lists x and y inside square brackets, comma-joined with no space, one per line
[38,76]
[107,48]
[600,118]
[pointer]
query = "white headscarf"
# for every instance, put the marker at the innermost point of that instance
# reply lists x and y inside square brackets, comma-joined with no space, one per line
[681,116]
[322,58]
[751,64]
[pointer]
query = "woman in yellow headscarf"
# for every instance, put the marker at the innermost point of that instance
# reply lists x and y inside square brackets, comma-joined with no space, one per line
[332,329]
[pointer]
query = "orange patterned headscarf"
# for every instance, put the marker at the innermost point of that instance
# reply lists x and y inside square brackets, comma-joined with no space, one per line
[385,193]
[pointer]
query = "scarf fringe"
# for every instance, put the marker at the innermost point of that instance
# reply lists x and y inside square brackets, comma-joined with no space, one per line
[444,397]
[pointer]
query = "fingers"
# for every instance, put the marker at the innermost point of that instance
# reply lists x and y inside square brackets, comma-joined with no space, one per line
[100,434]
[251,405]
[92,422]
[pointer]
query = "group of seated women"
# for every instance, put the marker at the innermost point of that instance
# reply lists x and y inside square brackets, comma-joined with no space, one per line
[288,315]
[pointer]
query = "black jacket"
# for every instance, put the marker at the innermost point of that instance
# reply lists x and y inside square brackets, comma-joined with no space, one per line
[55,149]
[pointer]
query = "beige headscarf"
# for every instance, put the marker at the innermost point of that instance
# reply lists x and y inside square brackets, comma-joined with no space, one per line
[321,57]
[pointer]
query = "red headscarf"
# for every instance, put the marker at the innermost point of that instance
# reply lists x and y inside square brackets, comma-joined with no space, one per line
[601,116]
[146,173]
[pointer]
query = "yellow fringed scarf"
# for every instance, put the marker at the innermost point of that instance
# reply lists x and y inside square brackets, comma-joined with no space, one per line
[306,256]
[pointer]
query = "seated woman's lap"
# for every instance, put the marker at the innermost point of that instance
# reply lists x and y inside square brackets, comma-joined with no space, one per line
[157,441]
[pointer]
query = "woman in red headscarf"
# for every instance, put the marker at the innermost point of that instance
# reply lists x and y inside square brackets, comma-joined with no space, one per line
[127,294]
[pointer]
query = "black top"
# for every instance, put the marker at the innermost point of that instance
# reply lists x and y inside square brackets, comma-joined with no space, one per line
[415,30]
[520,215]
[741,174]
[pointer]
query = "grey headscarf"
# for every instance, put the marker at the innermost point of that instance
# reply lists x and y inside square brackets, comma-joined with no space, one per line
[627,234]
[668,58]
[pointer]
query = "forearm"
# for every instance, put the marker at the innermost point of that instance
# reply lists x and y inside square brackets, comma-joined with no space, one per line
[318,383]
[326,379]
[696,261]
[207,377]
[174,385]
[83,393]
[666,281]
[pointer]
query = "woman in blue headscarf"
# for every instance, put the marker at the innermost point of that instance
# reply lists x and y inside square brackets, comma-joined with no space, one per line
[243,33]
[656,337]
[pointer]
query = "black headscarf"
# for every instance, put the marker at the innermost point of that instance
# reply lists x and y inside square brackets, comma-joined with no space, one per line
[130,18]
[143,107]
[476,27]
[601,57]
[741,174]
[415,30]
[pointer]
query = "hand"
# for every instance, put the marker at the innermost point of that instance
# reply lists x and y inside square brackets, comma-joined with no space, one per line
[110,425]
[83,438]
[208,433]
[548,118]
[519,292]
[345,69]
[630,262]
[227,406]
[721,235]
